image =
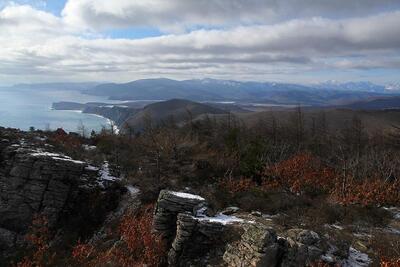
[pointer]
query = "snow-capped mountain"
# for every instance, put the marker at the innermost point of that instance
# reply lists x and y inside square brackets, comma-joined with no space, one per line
[364,86]
[392,87]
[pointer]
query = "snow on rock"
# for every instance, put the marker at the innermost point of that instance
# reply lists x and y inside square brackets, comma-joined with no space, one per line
[89,148]
[133,191]
[39,153]
[41,139]
[91,168]
[356,259]
[69,160]
[220,218]
[186,195]
[395,212]
[105,174]
[334,226]
[55,156]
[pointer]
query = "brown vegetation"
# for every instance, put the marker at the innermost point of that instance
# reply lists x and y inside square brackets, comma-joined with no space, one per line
[138,246]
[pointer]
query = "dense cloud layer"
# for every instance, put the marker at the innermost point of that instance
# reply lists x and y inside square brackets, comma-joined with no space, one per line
[38,45]
[178,14]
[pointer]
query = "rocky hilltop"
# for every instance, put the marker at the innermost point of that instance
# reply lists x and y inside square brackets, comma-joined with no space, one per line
[35,182]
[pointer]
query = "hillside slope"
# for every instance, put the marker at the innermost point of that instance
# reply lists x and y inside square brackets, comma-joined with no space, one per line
[177,109]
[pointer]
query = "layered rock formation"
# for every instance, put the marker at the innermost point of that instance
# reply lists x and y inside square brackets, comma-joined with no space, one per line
[196,239]
[34,182]
[169,205]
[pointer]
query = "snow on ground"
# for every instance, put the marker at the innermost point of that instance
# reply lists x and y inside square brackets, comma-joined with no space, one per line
[89,148]
[105,174]
[42,139]
[186,195]
[356,259]
[133,191]
[335,226]
[221,218]
[91,168]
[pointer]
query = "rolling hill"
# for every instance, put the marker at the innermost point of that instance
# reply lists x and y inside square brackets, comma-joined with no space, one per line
[177,109]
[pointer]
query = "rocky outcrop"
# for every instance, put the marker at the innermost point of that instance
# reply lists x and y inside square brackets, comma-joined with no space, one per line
[238,241]
[258,247]
[169,205]
[34,182]
[193,237]
[207,235]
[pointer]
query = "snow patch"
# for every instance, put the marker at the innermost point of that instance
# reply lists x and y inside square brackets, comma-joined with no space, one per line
[42,139]
[45,154]
[91,168]
[69,160]
[395,212]
[133,191]
[105,173]
[221,218]
[55,156]
[186,195]
[335,226]
[89,148]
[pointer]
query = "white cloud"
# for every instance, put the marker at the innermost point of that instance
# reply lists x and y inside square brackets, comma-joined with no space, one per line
[39,46]
[183,14]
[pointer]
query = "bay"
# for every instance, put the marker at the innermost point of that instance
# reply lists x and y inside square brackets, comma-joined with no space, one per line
[25,108]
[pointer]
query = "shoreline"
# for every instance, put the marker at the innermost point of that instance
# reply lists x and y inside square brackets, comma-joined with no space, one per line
[116,129]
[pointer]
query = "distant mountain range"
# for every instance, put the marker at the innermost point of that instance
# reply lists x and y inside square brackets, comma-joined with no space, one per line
[330,93]
[352,86]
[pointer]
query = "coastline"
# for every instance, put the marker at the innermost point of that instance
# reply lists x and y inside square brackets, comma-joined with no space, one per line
[110,122]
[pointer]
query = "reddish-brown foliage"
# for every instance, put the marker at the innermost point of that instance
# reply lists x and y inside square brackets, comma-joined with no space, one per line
[237,185]
[300,173]
[305,173]
[369,192]
[139,245]
[390,263]
[82,251]
[69,141]
[39,238]
[136,232]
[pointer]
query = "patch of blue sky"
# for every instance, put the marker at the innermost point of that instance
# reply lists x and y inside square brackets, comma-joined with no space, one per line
[132,33]
[53,6]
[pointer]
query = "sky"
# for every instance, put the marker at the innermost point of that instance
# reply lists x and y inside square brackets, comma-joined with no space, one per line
[299,41]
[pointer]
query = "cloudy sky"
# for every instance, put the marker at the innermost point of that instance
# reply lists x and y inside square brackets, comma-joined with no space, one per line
[303,41]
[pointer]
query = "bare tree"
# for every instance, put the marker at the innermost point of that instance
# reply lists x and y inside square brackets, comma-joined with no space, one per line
[82,129]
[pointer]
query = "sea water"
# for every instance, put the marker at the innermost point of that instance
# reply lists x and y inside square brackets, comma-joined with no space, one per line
[25,108]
